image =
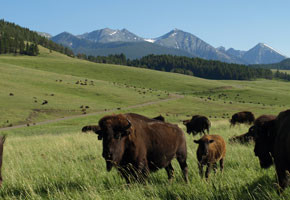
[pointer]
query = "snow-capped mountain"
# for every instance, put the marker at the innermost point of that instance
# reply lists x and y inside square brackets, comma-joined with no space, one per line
[175,42]
[109,35]
[263,54]
[188,42]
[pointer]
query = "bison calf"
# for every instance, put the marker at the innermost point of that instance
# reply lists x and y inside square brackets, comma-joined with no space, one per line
[211,149]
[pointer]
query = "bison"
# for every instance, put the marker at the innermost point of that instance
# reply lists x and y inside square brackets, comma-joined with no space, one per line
[137,145]
[249,136]
[2,140]
[197,124]
[211,149]
[272,145]
[242,117]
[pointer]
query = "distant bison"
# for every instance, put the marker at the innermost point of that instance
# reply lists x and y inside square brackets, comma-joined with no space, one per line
[242,117]
[272,141]
[211,149]
[137,145]
[2,140]
[160,118]
[197,124]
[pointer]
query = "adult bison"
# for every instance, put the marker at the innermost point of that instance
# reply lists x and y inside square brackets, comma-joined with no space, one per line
[272,141]
[137,145]
[244,138]
[197,124]
[242,117]
[2,140]
[249,136]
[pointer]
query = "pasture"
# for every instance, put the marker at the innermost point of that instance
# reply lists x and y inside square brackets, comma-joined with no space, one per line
[57,161]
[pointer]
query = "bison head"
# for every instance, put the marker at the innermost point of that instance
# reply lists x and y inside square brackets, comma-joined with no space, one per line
[113,132]
[188,125]
[264,138]
[203,147]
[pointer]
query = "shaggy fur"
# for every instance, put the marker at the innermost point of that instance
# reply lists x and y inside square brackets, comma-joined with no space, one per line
[137,145]
[211,149]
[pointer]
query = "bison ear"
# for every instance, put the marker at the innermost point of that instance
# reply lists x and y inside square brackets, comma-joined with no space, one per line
[100,134]
[196,141]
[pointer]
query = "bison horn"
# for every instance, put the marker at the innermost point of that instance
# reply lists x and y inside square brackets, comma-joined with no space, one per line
[129,124]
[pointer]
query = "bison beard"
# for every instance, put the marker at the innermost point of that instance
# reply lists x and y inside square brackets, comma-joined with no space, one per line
[137,145]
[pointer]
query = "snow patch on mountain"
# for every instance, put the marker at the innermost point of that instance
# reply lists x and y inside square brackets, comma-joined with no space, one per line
[150,40]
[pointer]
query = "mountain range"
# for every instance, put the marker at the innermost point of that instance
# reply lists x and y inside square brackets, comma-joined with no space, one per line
[176,42]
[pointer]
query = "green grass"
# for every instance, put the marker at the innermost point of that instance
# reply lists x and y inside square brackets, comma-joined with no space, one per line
[57,161]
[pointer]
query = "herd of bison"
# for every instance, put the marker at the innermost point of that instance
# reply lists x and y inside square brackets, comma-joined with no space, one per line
[137,145]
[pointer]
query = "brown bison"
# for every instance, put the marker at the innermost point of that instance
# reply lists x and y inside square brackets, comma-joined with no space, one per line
[244,138]
[197,124]
[2,140]
[137,145]
[249,136]
[272,143]
[211,149]
[242,117]
[93,128]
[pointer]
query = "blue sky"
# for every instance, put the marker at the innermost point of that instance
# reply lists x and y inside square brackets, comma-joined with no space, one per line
[240,24]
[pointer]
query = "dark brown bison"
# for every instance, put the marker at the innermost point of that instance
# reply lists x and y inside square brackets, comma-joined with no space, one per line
[249,136]
[160,118]
[242,117]
[272,145]
[2,140]
[197,124]
[211,149]
[93,128]
[137,145]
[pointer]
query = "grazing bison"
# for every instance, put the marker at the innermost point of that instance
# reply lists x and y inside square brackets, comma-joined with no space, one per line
[197,124]
[272,143]
[249,136]
[2,140]
[211,149]
[242,117]
[137,145]
[160,118]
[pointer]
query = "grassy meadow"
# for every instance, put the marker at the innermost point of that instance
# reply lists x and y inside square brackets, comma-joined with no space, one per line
[57,161]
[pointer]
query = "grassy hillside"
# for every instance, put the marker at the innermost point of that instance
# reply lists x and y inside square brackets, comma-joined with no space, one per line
[57,161]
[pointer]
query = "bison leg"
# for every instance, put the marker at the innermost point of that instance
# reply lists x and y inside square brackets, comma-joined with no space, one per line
[209,166]
[215,167]
[222,164]
[200,167]
[181,158]
[282,178]
[170,171]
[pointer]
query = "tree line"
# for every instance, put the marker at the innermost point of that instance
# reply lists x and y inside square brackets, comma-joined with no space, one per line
[209,69]
[16,39]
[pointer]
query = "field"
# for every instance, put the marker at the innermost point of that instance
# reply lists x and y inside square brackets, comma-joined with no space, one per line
[56,161]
